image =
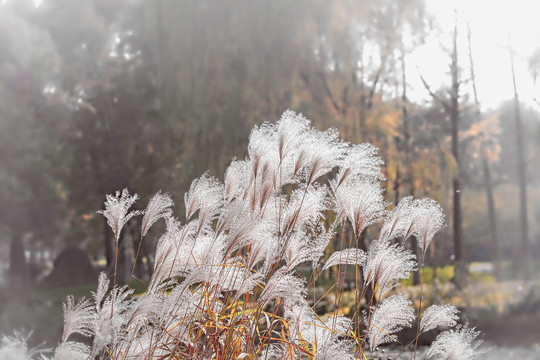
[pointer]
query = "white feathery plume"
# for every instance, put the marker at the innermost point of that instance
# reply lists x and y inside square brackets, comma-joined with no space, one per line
[142,347]
[307,246]
[346,257]
[266,188]
[399,221]
[325,332]
[392,315]
[342,350]
[242,226]
[206,250]
[180,304]
[305,206]
[338,323]
[360,161]
[13,347]
[78,317]
[110,318]
[386,264]
[103,286]
[319,154]
[116,211]
[236,179]
[456,344]
[16,347]
[143,312]
[285,286]
[298,313]
[170,246]
[361,201]
[249,231]
[438,315]
[230,214]
[265,246]
[420,217]
[72,350]
[290,131]
[206,195]
[274,352]
[209,262]
[263,149]
[234,276]
[428,220]
[158,207]
[181,251]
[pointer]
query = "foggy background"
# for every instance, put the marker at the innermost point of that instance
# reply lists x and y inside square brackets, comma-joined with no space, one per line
[97,96]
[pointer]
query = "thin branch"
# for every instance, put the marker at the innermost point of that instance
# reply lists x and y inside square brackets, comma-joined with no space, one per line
[375,82]
[329,91]
[345,101]
[473,75]
[433,95]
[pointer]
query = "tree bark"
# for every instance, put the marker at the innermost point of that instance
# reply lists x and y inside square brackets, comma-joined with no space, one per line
[407,160]
[495,247]
[18,273]
[525,251]
[108,243]
[460,265]
[146,254]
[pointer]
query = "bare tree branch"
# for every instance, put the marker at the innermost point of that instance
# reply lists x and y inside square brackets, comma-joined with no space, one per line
[433,95]
[329,91]
[345,101]
[375,81]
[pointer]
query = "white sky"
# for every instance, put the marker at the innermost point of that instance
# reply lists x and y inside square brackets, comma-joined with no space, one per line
[491,22]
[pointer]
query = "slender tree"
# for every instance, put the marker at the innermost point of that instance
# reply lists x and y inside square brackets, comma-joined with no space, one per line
[406,150]
[495,243]
[453,110]
[525,250]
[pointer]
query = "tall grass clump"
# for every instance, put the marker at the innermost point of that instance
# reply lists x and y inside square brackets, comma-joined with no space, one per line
[226,282]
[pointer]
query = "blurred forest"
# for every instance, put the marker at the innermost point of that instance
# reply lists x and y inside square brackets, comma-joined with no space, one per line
[99,95]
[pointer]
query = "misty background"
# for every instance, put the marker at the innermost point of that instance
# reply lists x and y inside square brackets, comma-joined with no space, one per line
[97,96]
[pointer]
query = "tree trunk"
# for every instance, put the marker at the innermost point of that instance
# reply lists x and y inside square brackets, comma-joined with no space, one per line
[397,185]
[18,273]
[407,158]
[108,243]
[495,247]
[460,265]
[417,278]
[525,251]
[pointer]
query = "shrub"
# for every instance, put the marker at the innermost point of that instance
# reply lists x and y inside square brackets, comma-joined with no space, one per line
[226,281]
